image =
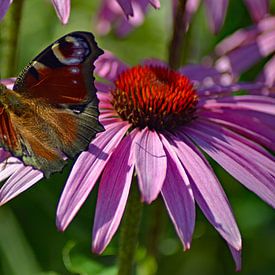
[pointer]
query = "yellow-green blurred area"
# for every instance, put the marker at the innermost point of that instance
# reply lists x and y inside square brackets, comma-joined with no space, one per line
[29,241]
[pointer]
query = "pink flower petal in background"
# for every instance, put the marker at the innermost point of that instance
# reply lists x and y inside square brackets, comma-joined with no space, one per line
[62,8]
[4,5]
[150,163]
[123,15]
[216,11]
[126,6]
[258,9]
[8,82]
[109,66]
[243,49]
[268,74]
[113,193]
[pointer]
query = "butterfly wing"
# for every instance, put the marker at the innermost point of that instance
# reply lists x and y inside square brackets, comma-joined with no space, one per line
[60,79]
[62,73]
[8,136]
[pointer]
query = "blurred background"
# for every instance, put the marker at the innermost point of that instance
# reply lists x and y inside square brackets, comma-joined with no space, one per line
[29,241]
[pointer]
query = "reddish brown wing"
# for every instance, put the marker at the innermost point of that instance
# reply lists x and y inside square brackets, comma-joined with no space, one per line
[8,137]
[62,73]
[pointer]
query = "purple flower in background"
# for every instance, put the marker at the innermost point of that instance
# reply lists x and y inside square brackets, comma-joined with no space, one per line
[125,15]
[62,8]
[4,5]
[128,14]
[157,121]
[246,47]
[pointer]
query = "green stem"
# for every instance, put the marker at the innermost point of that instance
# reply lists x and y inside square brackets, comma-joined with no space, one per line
[129,232]
[156,228]
[177,40]
[9,32]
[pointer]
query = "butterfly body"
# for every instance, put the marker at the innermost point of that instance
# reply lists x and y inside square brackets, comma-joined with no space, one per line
[52,112]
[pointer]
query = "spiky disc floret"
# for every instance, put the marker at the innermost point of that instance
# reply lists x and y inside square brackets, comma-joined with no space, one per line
[154,97]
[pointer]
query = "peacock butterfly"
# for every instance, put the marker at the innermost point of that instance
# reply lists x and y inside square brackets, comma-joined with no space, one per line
[52,111]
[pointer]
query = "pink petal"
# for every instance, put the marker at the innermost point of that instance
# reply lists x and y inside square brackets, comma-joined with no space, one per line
[126,6]
[244,160]
[268,74]
[216,11]
[86,171]
[258,8]
[8,82]
[4,5]
[155,62]
[9,166]
[207,191]
[155,3]
[216,90]
[247,102]
[113,193]
[109,67]
[204,75]
[178,196]
[237,256]
[151,164]
[62,8]
[23,179]
[241,59]
[254,125]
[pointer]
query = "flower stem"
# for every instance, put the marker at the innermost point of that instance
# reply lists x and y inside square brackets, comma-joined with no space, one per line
[9,32]
[179,31]
[156,228]
[129,232]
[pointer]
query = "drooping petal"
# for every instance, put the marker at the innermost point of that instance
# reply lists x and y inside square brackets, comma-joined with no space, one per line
[155,3]
[23,179]
[126,6]
[247,102]
[85,173]
[178,196]
[150,162]
[237,256]
[246,161]
[112,16]
[258,9]
[257,126]
[4,5]
[62,8]
[216,11]
[108,66]
[207,190]
[113,193]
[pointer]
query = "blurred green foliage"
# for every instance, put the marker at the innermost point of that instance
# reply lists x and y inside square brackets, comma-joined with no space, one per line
[29,241]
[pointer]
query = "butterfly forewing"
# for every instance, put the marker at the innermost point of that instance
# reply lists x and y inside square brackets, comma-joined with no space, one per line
[62,73]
